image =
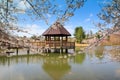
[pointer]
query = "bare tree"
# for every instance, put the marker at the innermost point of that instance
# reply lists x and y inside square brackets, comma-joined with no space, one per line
[110,14]
[40,9]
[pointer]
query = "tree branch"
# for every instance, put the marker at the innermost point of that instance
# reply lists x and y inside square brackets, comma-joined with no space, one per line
[40,15]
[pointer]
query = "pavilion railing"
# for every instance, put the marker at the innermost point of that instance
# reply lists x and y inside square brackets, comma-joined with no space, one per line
[62,44]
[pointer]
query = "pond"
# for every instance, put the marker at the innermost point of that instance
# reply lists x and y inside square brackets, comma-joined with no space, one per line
[102,63]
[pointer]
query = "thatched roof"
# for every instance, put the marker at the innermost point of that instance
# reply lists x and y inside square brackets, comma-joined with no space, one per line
[56,29]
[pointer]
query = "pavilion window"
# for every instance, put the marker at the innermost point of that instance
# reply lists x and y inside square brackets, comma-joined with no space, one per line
[57,38]
[52,38]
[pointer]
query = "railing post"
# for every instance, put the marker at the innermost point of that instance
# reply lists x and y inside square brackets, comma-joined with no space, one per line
[28,50]
[17,51]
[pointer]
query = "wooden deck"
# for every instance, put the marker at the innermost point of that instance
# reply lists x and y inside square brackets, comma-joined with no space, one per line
[55,44]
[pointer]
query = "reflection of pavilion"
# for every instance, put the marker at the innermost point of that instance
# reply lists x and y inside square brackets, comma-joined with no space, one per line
[56,68]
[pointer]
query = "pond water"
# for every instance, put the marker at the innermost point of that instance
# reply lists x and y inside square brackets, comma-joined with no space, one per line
[102,63]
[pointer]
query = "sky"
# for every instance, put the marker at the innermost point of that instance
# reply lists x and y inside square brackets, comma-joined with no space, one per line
[85,17]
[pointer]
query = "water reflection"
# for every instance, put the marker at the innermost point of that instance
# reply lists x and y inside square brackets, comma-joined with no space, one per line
[51,67]
[96,53]
[113,52]
[28,59]
[56,67]
[79,59]
[19,59]
[99,52]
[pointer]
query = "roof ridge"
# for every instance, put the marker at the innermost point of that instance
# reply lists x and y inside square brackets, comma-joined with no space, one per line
[56,29]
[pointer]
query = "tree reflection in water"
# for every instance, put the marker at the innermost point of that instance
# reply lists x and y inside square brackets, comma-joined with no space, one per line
[79,59]
[28,59]
[51,67]
[56,67]
[99,52]
[114,52]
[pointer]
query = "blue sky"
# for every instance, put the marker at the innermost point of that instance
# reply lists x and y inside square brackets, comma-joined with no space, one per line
[85,16]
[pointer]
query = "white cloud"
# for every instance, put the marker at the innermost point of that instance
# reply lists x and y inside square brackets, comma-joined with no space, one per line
[103,2]
[33,29]
[87,20]
[91,15]
[21,5]
[49,15]
[70,29]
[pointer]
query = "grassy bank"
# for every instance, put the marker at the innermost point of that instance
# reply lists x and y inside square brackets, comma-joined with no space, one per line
[81,45]
[113,40]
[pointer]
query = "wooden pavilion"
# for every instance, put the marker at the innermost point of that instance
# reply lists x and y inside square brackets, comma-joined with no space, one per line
[56,38]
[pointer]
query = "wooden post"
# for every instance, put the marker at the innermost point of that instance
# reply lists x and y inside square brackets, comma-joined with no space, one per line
[54,43]
[66,38]
[74,46]
[28,50]
[61,45]
[61,50]
[66,50]
[17,51]
[45,37]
